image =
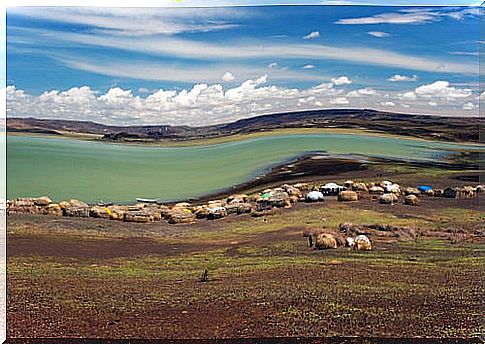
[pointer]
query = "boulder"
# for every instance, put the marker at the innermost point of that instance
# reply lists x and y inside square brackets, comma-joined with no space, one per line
[411,200]
[388,198]
[348,196]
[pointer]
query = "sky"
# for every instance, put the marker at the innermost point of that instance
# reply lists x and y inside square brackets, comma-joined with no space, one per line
[203,66]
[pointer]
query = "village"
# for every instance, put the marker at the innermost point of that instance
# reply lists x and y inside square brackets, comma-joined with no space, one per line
[258,204]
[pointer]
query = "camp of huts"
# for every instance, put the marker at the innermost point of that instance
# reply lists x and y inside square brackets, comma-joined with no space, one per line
[257,204]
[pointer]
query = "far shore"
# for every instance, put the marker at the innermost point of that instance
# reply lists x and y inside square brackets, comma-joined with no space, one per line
[234,137]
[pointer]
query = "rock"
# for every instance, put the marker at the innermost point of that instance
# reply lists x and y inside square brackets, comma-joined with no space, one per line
[348,196]
[388,198]
[411,200]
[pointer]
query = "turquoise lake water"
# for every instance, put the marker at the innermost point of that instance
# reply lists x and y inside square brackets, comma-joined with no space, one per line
[94,171]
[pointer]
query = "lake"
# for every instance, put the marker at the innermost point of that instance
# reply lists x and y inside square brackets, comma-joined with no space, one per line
[93,171]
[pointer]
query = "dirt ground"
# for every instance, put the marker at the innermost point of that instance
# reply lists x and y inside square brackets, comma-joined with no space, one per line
[96,278]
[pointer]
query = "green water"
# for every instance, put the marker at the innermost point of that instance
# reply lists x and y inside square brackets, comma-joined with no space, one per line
[93,171]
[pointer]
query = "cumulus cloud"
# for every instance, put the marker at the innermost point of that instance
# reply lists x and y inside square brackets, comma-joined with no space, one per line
[468,106]
[308,66]
[339,101]
[341,80]
[378,34]
[206,104]
[362,92]
[398,77]
[228,77]
[311,35]
[442,89]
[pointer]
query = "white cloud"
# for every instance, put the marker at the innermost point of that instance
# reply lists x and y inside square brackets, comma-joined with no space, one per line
[206,104]
[138,21]
[308,66]
[442,89]
[339,101]
[411,16]
[341,80]
[378,34]
[176,47]
[407,96]
[398,77]
[311,35]
[363,92]
[228,77]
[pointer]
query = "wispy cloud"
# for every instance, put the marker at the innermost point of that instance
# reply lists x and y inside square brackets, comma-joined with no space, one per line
[175,47]
[138,21]
[411,16]
[378,34]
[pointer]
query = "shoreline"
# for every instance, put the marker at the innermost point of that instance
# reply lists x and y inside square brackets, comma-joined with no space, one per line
[236,137]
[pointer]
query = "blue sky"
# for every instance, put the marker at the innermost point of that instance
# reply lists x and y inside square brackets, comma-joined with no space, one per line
[210,65]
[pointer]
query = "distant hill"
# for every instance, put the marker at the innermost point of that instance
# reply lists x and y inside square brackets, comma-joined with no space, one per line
[424,126]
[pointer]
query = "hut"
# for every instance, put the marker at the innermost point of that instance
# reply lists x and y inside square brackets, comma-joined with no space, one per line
[331,189]
[314,196]
[348,196]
